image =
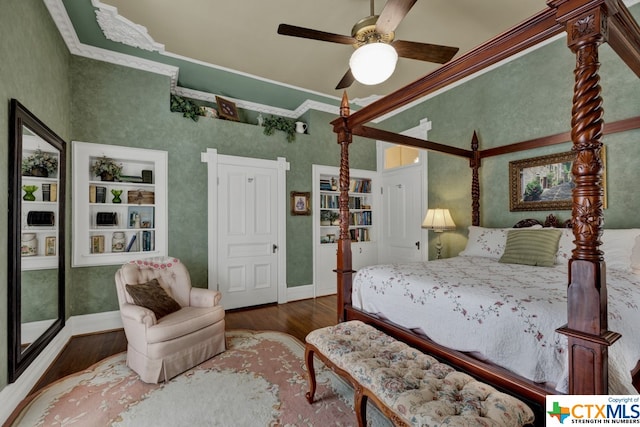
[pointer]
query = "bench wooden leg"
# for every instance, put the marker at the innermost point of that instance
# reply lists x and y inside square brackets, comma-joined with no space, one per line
[311,373]
[360,406]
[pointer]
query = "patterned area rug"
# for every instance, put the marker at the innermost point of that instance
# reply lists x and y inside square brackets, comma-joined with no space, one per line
[259,381]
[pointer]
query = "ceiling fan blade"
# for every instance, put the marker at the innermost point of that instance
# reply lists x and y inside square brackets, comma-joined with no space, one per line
[392,14]
[424,51]
[347,80]
[307,33]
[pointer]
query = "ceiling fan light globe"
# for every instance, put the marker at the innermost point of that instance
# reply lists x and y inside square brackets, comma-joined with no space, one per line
[373,63]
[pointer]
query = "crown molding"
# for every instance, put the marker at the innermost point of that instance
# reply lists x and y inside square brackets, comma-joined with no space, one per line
[120,29]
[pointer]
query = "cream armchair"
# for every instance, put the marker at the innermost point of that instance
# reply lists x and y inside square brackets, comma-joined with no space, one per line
[166,338]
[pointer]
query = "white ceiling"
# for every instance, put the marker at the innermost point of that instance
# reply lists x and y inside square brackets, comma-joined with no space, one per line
[241,35]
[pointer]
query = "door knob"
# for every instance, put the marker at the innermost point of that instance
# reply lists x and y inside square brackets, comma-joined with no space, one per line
[418,245]
[275,248]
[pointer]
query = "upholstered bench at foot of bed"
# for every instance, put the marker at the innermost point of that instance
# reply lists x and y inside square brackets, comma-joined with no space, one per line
[409,387]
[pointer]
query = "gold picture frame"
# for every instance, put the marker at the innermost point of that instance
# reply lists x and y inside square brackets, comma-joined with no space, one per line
[227,109]
[300,203]
[50,245]
[546,182]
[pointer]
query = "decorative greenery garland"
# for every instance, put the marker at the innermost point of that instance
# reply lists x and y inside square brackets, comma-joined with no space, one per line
[288,126]
[188,108]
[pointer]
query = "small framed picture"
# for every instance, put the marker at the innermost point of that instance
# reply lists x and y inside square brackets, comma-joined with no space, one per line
[227,109]
[300,203]
[50,245]
[97,244]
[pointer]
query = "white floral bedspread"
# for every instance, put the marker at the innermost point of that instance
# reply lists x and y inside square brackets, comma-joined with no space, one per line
[507,313]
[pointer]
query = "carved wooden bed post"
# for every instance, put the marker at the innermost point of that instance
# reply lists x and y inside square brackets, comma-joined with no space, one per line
[586,329]
[474,162]
[344,267]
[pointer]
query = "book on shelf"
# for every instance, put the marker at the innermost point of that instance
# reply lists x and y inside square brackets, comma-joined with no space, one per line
[92,194]
[325,184]
[46,192]
[130,247]
[53,192]
[147,241]
[360,186]
[101,194]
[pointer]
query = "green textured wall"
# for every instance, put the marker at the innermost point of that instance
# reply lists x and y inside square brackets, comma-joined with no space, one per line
[527,98]
[34,70]
[121,106]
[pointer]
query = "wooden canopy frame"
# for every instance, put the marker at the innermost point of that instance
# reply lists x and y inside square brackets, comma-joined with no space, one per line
[588,24]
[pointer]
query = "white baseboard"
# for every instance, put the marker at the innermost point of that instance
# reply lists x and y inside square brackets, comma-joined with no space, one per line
[14,393]
[300,292]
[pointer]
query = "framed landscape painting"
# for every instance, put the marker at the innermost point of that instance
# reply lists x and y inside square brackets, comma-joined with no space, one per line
[541,183]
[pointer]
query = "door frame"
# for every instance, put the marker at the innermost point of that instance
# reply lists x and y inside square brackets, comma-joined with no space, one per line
[213,159]
[421,132]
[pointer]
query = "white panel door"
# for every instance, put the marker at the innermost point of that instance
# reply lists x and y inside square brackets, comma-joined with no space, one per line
[402,211]
[247,235]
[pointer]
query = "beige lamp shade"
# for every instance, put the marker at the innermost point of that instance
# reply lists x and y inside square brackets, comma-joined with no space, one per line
[438,220]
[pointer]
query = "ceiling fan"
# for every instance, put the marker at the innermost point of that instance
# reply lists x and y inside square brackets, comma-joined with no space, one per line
[373,39]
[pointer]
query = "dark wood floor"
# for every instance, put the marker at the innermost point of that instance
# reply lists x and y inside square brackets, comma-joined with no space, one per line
[295,318]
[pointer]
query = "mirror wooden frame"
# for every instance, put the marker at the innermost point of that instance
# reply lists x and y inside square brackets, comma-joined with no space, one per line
[20,359]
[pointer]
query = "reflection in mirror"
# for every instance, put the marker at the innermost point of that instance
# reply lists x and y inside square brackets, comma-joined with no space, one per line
[36,238]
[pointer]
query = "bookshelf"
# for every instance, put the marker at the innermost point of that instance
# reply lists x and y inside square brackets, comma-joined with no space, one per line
[363,201]
[117,221]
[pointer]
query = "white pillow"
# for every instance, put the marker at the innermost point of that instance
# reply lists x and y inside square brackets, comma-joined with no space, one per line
[565,246]
[635,256]
[617,245]
[487,242]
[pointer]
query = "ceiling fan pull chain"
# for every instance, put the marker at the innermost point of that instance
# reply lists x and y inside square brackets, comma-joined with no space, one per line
[373,9]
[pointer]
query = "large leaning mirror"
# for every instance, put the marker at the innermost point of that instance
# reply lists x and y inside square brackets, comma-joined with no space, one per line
[36,237]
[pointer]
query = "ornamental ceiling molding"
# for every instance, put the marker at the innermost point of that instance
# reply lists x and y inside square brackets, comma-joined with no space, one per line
[117,28]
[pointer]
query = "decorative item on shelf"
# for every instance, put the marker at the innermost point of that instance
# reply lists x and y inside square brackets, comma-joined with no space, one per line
[28,192]
[227,109]
[147,176]
[40,164]
[130,178]
[260,119]
[106,168]
[41,218]
[118,242]
[210,112]
[140,197]
[29,244]
[325,218]
[438,220]
[188,108]
[334,184]
[271,124]
[106,218]
[334,217]
[116,196]
[301,127]
[329,218]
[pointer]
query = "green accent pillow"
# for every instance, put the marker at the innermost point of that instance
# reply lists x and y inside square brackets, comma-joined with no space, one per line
[152,296]
[532,247]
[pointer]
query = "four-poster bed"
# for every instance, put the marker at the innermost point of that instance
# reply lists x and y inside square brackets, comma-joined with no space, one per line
[588,24]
